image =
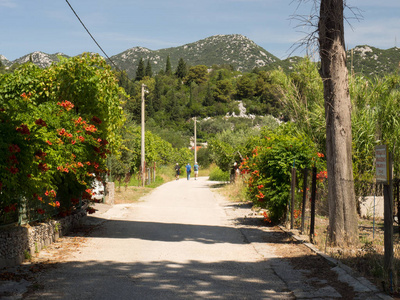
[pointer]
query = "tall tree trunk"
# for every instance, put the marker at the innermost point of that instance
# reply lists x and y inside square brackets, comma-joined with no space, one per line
[341,196]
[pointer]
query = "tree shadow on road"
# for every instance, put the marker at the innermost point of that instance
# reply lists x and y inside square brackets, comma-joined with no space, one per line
[161,280]
[176,232]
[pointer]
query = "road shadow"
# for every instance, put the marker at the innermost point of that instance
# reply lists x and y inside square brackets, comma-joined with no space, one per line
[166,280]
[177,232]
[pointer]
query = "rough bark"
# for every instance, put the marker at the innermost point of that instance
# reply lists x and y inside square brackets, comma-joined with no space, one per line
[341,196]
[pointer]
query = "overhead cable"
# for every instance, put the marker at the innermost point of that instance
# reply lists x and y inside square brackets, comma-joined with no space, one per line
[87,30]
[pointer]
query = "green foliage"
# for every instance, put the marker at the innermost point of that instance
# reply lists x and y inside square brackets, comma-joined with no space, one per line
[301,96]
[375,120]
[197,74]
[157,151]
[216,174]
[268,164]
[245,86]
[181,69]
[168,68]
[204,157]
[58,126]
[148,71]
[141,71]
[223,91]
[222,153]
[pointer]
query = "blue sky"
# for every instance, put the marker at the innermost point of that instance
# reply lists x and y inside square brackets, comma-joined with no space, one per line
[50,26]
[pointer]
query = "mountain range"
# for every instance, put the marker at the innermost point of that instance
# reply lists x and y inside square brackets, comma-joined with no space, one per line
[234,50]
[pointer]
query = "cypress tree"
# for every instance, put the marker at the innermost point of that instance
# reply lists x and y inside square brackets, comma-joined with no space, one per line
[149,71]
[168,69]
[209,97]
[140,72]
[181,70]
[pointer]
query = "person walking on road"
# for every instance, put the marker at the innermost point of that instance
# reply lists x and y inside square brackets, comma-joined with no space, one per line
[196,170]
[177,171]
[188,170]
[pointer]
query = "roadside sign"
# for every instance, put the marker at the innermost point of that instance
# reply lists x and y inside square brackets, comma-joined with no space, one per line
[382,164]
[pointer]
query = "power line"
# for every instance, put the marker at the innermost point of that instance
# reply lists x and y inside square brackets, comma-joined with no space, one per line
[87,30]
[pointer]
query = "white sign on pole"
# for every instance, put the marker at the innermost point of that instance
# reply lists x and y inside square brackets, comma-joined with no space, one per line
[382,164]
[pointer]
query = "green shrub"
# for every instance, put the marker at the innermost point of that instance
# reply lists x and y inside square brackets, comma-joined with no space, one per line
[217,174]
[269,169]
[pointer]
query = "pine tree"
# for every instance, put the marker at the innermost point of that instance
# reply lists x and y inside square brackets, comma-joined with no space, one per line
[149,71]
[181,70]
[168,69]
[140,72]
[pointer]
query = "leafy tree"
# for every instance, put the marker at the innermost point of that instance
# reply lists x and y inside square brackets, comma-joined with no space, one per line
[197,74]
[223,91]
[264,92]
[245,87]
[223,154]
[60,125]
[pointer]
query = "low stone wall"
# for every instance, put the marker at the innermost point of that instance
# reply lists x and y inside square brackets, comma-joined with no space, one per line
[370,205]
[19,242]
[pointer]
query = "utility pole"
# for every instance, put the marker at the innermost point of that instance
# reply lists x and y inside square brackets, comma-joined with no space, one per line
[143,167]
[195,140]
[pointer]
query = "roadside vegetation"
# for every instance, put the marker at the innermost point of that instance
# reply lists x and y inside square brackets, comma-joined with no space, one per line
[79,120]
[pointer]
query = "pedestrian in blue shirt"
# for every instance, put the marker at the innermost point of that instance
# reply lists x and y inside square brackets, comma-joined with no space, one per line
[196,170]
[188,170]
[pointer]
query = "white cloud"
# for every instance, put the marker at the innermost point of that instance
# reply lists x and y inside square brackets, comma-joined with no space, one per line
[8,3]
[378,33]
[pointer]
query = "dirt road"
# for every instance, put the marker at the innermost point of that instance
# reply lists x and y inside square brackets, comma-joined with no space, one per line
[184,241]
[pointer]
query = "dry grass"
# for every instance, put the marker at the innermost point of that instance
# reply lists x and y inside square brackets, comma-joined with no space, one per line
[234,192]
[130,194]
[367,257]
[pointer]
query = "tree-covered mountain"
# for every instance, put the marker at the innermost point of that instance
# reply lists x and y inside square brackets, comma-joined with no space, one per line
[371,61]
[235,50]
[40,59]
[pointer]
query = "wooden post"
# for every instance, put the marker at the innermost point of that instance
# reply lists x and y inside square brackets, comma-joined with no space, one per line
[313,195]
[293,195]
[143,139]
[398,203]
[154,172]
[388,223]
[303,210]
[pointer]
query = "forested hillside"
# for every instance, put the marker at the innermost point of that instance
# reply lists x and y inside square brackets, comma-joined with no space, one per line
[174,96]
[234,50]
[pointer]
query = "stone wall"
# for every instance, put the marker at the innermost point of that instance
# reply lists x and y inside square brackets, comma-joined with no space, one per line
[369,206]
[17,243]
